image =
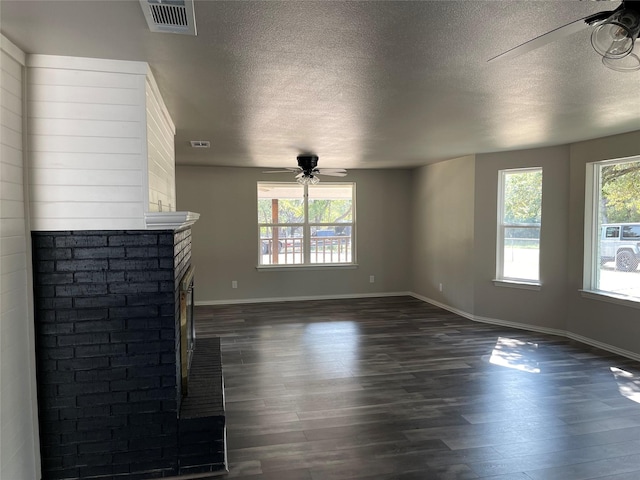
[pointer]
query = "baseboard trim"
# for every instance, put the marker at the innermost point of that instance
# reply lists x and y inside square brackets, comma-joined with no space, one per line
[549,331]
[300,299]
[603,346]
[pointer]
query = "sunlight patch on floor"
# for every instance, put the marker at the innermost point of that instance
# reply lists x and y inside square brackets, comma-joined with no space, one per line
[628,384]
[515,354]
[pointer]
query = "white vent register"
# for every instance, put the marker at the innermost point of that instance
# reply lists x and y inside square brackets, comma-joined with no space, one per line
[170,16]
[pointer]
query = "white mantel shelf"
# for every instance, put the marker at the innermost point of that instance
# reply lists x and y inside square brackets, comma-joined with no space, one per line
[170,220]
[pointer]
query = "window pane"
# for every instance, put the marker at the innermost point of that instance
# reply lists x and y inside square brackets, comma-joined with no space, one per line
[523,197]
[618,256]
[331,244]
[289,243]
[521,252]
[330,203]
[280,203]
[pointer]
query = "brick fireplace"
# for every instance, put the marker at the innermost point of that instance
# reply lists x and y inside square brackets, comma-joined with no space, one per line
[109,254]
[107,326]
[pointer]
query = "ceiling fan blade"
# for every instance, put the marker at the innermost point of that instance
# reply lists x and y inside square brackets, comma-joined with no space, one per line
[288,170]
[327,171]
[553,35]
[331,174]
[300,175]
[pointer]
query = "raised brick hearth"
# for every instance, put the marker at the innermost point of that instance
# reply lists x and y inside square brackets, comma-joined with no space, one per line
[108,358]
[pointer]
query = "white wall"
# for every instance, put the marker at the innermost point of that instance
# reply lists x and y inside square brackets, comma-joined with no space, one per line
[443,229]
[92,125]
[19,452]
[160,152]
[225,239]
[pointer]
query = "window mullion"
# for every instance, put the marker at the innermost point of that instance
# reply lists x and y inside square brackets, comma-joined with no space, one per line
[306,229]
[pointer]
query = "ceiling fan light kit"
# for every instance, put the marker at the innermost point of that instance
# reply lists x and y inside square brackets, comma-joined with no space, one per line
[308,171]
[613,37]
[310,179]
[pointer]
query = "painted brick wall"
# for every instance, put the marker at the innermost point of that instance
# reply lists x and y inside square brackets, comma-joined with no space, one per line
[106,337]
[181,262]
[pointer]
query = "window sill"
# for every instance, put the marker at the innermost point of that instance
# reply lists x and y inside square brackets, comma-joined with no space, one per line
[517,284]
[324,266]
[609,297]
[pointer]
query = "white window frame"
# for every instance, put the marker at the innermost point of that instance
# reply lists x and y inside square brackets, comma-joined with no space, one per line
[592,226]
[306,227]
[500,279]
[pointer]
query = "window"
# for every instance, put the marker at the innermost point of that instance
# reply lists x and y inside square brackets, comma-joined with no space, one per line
[519,219]
[306,224]
[612,228]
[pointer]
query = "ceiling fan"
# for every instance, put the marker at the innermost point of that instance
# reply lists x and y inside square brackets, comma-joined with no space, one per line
[307,170]
[614,35]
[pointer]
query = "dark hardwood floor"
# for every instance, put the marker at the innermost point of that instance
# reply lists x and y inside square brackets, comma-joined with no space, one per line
[394,388]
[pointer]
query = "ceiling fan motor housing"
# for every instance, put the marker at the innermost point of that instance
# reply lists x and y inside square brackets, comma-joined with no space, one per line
[307,162]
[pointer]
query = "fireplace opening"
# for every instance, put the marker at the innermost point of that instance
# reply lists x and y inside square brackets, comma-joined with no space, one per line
[187,328]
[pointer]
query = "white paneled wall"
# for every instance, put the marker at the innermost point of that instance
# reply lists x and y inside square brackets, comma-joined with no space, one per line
[19,457]
[160,154]
[101,144]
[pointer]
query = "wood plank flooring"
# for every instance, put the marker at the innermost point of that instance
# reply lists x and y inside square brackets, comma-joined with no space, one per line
[394,388]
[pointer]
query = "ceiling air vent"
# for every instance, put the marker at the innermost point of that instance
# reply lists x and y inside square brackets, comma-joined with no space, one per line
[170,16]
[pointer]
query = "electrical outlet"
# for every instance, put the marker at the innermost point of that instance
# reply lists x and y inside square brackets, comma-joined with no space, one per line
[234,284]
[440,287]
[372,279]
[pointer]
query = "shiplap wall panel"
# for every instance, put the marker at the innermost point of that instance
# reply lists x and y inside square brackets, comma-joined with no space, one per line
[86,111]
[53,143]
[11,136]
[11,190]
[19,455]
[11,120]
[71,223]
[10,172]
[87,135]
[82,78]
[11,102]
[12,227]
[89,161]
[11,81]
[11,208]
[12,245]
[102,193]
[86,128]
[160,153]
[54,210]
[109,178]
[76,94]
[10,156]
[11,264]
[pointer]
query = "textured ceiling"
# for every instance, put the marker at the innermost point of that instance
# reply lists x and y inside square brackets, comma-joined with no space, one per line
[362,84]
